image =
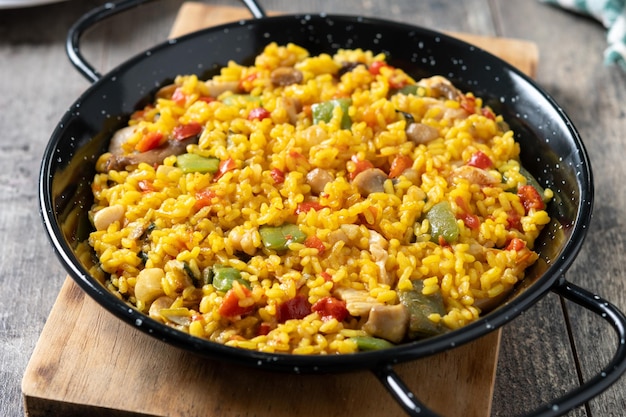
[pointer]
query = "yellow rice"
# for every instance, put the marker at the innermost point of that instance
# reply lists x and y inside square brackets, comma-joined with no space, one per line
[184,239]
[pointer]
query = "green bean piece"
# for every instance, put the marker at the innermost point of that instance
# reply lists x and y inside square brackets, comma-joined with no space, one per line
[366,343]
[421,306]
[280,237]
[323,112]
[442,223]
[191,162]
[224,276]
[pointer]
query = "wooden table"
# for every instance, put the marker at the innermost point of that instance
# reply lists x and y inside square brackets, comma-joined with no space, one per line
[544,352]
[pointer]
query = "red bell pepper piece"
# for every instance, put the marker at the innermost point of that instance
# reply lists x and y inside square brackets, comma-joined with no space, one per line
[330,307]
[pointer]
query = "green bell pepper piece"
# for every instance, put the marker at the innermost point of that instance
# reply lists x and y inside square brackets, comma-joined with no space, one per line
[323,112]
[280,237]
[191,162]
[442,222]
[224,276]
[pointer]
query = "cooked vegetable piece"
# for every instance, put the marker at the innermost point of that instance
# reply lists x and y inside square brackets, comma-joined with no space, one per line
[232,307]
[409,89]
[323,112]
[233,99]
[177,315]
[531,180]
[420,307]
[191,162]
[223,277]
[366,343]
[442,222]
[280,237]
[294,308]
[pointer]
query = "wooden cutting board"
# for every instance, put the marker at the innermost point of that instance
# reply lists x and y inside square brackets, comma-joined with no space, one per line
[88,362]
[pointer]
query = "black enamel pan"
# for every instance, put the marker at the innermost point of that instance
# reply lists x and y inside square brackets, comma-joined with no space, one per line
[551,150]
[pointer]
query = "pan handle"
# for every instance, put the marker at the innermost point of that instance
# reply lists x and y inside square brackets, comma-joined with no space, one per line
[590,389]
[89,19]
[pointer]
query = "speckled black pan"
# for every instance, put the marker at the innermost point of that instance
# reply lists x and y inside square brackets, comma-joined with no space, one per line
[551,150]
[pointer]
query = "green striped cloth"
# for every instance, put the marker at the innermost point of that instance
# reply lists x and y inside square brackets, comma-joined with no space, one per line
[612,14]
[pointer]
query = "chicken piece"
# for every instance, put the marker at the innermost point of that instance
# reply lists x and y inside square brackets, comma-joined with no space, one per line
[474,175]
[441,87]
[119,138]
[388,322]
[317,179]
[358,302]
[378,249]
[292,107]
[216,88]
[371,180]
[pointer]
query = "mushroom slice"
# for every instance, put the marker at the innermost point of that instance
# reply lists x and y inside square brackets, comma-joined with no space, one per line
[371,180]
[284,76]
[317,179]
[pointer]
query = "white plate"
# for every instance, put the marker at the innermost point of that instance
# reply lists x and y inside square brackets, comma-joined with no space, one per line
[14,4]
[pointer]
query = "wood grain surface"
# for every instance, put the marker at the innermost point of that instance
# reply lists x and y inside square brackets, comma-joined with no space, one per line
[84,352]
[543,353]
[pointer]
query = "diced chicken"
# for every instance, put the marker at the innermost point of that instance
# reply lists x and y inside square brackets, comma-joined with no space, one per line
[358,302]
[317,179]
[216,88]
[292,107]
[283,76]
[474,175]
[120,138]
[441,87]
[371,180]
[388,322]
[378,249]
[420,133]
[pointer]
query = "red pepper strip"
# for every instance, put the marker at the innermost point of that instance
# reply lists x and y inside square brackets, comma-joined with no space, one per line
[182,132]
[204,198]
[480,160]
[295,308]
[277,175]
[178,97]
[530,198]
[149,141]
[225,166]
[258,113]
[359,166]
[330,307]
[375,67]
[315,243]
[230,305]
[308,205]
[468,103]
[516,244]
[400,164]
[488,113]
[471,220]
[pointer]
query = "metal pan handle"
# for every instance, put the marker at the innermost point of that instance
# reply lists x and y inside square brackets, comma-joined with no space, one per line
[72,42]
[590,389]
